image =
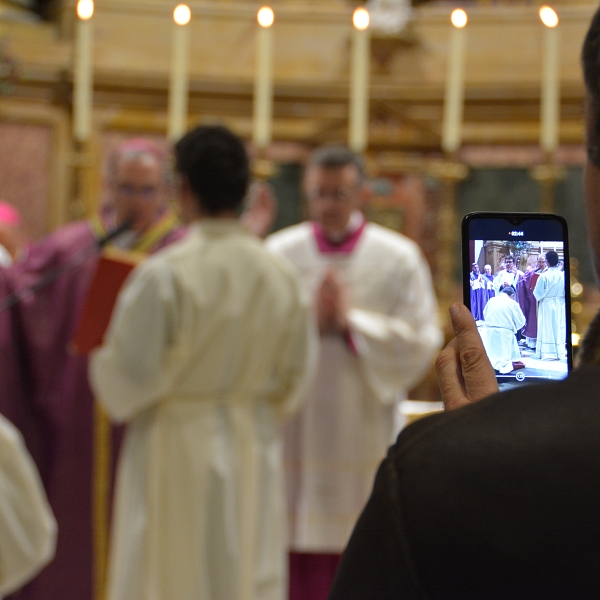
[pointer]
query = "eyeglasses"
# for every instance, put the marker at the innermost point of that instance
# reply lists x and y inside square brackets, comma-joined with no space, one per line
[148,192]
[335,195]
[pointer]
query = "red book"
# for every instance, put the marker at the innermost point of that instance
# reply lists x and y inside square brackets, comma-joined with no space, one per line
[533,281]
[113,268]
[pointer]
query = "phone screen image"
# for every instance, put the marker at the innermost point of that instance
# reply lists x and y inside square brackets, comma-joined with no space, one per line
[516,285]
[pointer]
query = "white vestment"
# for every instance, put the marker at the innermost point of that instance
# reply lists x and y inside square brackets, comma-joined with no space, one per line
[205,352]
[27,525]
[505,276]
[350,414]
[503,317]
[552,328]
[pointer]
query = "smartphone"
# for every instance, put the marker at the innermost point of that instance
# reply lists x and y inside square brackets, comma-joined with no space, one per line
[516,285]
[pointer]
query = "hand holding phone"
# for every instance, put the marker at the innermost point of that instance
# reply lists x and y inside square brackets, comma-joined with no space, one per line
[523,310]
[463,369]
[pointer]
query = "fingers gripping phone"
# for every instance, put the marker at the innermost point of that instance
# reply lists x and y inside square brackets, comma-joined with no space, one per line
[516,285]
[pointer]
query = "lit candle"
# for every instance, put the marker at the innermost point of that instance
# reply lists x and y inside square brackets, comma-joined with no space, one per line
[263,80]
[455,84]
[179,82]
[550,102]
[358,127]
[83,81]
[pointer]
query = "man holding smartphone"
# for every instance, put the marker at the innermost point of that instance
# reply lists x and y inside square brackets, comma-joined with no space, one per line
[500,498]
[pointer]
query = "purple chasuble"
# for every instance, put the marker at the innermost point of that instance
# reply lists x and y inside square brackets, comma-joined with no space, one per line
[528,304]
[45,393]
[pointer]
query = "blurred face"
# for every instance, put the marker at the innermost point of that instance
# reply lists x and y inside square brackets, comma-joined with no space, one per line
[138,191]
[541,262]
[475,268]
[333,195]
[488,270]
[509,264]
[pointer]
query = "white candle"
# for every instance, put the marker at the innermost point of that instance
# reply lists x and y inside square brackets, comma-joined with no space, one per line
[179,80]
[263,80]
[455,84]
[358,126]
[550,101]
[83,80]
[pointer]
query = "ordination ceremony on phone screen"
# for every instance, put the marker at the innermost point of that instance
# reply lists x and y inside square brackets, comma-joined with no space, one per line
[518,301]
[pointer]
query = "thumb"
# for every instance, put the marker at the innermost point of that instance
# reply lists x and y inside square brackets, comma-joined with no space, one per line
[478,374]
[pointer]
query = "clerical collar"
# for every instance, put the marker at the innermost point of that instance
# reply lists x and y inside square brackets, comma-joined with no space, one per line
[347,241]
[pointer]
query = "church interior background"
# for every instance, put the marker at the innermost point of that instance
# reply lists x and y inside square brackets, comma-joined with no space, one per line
[419,189]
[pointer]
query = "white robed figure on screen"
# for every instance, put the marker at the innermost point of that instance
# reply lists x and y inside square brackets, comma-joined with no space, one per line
[552,327]
[503,318]
[204,355]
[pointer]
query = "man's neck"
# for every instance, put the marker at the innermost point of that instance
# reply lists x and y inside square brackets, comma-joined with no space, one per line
[354,222]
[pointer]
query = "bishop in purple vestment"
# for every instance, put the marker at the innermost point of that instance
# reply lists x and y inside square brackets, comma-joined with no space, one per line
[45,389]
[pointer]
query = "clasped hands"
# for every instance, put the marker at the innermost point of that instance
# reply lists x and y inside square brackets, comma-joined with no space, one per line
[465,374]
[332,305]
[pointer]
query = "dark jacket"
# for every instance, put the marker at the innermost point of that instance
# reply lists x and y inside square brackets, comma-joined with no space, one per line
[498,500]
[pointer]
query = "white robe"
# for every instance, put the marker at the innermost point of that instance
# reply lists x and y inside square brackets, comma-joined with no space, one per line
[503,317]
[205,352]
[350,414]
[507,277]
[552,327]
[27,525]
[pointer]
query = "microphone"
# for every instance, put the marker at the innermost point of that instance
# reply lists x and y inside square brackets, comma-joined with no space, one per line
[116,232]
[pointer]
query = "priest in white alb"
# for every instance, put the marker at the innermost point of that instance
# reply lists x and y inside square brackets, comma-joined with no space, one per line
[549,291]
[503,317]
[204,356]
[377,315]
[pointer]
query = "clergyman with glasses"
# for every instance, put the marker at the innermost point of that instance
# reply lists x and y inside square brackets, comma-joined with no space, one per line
[377,315]
[46,393]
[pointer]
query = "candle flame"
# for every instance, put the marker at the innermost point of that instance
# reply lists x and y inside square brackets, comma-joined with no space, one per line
[548,16]
[459,18]
[182,14]
[265,16]
[85,9]
[361,18]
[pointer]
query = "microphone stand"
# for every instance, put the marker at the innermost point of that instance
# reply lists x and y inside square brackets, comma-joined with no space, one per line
[57,272]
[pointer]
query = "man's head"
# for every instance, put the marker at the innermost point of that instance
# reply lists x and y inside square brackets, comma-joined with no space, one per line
[335,186]
[488,269]
[509,261]
[214,170]
[137,182]
[552,258]
[509,290]
[541,262]
[475,268]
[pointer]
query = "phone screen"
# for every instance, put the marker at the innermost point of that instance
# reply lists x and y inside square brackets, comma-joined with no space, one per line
[516,285]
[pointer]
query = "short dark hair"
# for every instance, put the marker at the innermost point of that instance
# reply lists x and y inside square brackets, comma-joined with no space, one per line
[552,258]
[509,289]
[590,60]
[510,257]
[336,156]
[216,165]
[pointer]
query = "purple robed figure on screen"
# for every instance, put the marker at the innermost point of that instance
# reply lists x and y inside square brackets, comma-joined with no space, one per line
[478,293]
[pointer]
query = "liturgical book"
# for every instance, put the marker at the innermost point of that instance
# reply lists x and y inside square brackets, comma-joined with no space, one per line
[113,268]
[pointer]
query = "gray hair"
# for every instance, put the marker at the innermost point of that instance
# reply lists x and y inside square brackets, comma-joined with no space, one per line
[336,156]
